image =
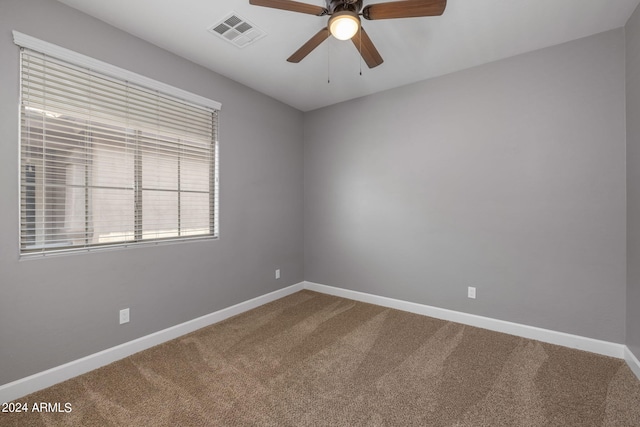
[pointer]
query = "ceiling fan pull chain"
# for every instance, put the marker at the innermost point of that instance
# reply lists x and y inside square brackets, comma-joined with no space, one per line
[360,30]
[329,62]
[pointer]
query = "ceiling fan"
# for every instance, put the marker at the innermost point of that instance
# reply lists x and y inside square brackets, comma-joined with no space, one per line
[344,21]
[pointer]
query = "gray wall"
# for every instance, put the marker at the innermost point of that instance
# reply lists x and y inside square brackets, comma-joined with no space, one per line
[59,309]
[509,177]
[632,31]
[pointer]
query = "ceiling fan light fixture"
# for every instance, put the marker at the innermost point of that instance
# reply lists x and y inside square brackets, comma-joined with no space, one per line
[344,25]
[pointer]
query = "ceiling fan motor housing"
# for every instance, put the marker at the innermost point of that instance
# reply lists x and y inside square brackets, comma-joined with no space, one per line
[335,6]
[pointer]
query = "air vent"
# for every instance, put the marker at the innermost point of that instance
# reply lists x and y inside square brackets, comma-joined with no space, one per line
[236,30]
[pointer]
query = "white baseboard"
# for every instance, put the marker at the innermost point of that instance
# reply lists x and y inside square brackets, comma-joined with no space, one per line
[41,380]
[632,361]
[553,337]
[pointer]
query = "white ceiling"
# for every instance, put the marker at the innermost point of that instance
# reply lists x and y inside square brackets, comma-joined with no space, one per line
[471,32]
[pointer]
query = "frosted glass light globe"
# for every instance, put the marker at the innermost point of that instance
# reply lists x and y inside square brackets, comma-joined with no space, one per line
[344,25]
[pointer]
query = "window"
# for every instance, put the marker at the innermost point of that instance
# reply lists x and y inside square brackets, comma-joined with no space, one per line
[108,162]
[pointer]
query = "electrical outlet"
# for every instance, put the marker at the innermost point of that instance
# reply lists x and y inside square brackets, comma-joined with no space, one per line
[124,316]
[278,273]
[471,292]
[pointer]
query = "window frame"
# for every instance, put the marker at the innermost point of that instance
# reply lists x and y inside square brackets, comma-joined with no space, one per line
[118,74]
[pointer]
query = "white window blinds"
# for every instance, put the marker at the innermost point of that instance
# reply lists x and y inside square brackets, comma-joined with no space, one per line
[107,162]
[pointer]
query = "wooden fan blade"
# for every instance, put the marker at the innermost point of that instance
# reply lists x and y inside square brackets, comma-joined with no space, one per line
[404,9]
[366,48]
[292,6]
[306,48]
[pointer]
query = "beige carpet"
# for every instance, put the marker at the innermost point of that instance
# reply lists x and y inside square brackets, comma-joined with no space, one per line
[315,360]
